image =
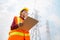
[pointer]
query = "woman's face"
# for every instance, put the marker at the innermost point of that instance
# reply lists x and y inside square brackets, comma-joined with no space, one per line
[24,14]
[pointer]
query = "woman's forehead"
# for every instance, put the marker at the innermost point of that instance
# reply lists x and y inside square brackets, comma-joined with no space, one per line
[24,11]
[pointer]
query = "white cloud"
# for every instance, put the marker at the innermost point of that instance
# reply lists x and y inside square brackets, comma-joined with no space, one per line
[57,37]
[54,18]
[43,29]
[43,6]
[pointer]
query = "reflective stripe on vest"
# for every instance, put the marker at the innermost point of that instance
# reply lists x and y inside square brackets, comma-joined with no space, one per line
[18,33]
[27,34]
[18,20]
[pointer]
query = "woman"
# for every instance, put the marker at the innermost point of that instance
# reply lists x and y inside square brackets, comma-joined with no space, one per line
[16,33]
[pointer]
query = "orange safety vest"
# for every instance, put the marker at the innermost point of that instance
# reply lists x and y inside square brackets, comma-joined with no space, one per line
[18,34]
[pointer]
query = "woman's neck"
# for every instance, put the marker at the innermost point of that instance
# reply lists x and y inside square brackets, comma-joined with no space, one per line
[22,17]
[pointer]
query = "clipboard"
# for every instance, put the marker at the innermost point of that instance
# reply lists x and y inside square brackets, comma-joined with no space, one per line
[28,23]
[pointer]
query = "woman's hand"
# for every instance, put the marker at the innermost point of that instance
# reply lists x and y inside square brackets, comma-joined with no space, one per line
[20,24]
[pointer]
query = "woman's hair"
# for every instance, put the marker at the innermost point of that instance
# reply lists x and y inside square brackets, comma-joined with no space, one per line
[25,9]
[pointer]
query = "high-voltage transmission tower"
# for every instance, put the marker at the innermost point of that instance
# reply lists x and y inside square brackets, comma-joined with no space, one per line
[36,31]
[48,31]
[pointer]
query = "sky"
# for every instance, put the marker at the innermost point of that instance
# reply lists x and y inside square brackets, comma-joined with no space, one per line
[47,10]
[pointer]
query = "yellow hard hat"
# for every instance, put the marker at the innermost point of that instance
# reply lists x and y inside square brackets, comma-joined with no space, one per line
[25,9]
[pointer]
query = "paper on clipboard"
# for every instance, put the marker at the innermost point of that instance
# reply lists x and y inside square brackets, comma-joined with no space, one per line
[28,23]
